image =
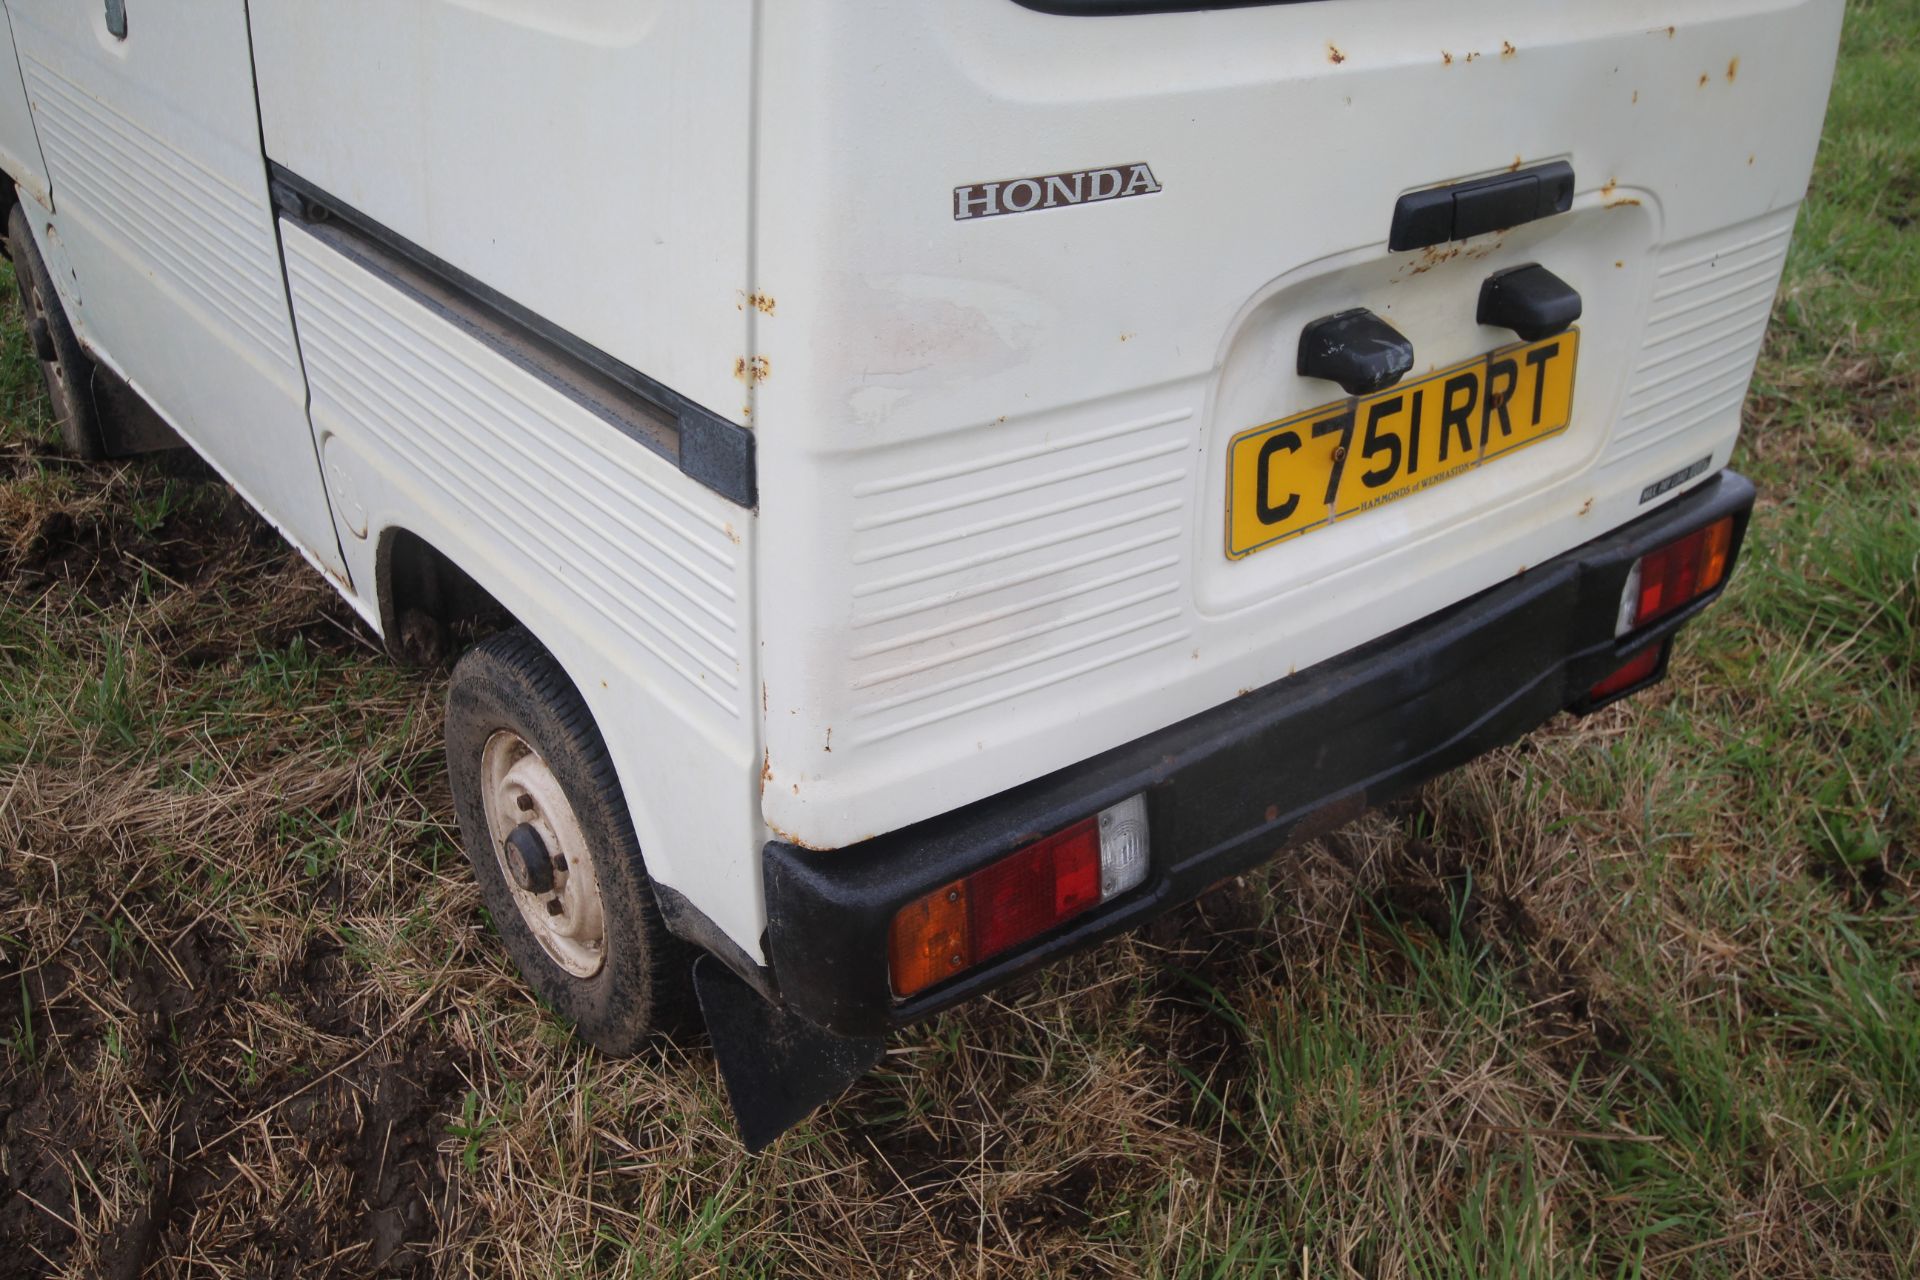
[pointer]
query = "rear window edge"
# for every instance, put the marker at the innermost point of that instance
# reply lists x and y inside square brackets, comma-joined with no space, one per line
[1109,8]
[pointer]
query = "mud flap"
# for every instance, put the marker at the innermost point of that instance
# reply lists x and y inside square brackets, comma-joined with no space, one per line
[778,1066]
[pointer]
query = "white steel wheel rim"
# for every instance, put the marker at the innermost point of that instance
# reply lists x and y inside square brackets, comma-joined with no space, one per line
[517,787]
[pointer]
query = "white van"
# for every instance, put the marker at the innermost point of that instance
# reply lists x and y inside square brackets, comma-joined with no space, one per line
[926,487]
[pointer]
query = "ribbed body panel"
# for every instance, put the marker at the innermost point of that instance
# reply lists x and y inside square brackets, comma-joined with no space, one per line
[1029,565]
[587,508]
[209,242]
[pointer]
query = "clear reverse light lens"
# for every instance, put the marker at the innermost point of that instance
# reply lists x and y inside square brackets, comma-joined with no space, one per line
[1124,846]
[1629,603]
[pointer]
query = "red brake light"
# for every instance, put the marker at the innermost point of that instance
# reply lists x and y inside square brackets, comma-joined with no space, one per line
[1039,887]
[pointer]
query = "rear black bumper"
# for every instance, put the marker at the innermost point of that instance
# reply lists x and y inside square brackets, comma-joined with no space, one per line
[1234,785]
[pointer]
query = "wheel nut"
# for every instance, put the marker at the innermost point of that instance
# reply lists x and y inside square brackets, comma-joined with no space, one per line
[527,862]
[525,802]
[553,907]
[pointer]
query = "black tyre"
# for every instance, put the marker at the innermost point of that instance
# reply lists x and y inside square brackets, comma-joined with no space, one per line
[546,826]
[64,364]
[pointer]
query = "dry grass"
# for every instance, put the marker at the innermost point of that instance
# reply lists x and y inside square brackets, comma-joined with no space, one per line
[1550,1017]
[1636,996]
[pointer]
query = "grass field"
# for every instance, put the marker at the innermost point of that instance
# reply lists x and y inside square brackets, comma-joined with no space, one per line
[1635,997]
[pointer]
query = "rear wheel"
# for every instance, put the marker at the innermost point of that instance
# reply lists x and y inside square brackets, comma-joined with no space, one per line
[546,826]
[64,364]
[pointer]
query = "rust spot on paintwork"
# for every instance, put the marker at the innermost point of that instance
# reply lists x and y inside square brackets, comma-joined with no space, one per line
[1624,202]
[1733,70]
[1334,55]
[766,767]
[1125,337]
[1515,166]
[1749,160]
[1273,813]
[726,527]
[763,697]
[1704,77]
[1636,97]
[1507,50]
[1586,507]
[1470,57]
[1670,31]
[751,371]
[1606,191]
[795,840]
[1431,257]
[829,739]
[1446,59]
[1619,264]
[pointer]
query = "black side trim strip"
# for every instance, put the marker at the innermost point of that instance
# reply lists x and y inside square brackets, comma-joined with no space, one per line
[709,449]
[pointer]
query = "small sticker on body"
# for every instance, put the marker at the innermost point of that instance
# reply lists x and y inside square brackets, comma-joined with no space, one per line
[1675,480]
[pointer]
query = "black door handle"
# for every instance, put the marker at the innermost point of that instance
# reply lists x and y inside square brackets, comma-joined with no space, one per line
[117,19]
[1356,349]
[1530,300]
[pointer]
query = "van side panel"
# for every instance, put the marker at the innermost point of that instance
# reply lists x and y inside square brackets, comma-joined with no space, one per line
[19,150]
[632,575]
[160,208]
[586,158]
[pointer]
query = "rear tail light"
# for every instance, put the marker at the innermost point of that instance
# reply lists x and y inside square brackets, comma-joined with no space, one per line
[1675,575]
[1032,890]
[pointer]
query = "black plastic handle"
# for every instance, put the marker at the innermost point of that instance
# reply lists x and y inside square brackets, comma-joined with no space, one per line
[1356,349]
[1530,300]
[1438,215]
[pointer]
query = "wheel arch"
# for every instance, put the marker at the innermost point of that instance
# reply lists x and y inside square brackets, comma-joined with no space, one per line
[429,606]
[430,609]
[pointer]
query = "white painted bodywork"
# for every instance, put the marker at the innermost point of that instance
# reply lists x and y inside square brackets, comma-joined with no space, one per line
[1002,516]
[989,537]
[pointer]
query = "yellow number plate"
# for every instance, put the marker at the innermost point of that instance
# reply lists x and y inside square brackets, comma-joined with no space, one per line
[1289,477]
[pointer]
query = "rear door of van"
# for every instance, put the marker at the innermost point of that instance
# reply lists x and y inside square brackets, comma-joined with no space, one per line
[1043,469]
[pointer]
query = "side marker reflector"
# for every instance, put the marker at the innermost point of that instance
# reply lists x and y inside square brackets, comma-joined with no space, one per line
[1635,670]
